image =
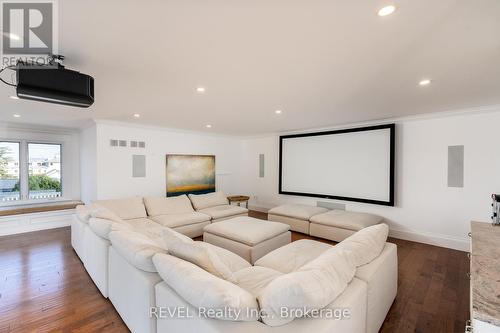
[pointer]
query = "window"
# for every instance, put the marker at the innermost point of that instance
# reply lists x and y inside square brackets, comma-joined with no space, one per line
[9,171]
[44,169]
[30,171]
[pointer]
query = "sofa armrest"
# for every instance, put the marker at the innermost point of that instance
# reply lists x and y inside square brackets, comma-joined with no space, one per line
[381,276]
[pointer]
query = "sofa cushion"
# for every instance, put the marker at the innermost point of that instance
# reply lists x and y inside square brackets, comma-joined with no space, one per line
[172,205]
[202,201]
[302,212]
[291,257]
[218,212]
[347,220]
[170,237]
[130,208]
[204,290]
[150,229]
[137,249]
[312,287]
[200,255]
[102,227]
[233,261]
[177,220]
[83,213]
[103,213]
[366,244]
[247,230]
[254,278]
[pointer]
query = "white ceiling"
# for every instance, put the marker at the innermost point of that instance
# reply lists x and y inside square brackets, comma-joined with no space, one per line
[322,62]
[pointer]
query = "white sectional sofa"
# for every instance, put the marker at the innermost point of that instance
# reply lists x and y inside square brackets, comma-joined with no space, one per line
[295,215]
[92,224]
[133,260]
[334,225]
[130,264]
[216,206]
[177,213]
[359,274]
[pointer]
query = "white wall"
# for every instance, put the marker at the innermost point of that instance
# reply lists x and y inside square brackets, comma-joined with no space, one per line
[88,163]
[426,209]
[114,164]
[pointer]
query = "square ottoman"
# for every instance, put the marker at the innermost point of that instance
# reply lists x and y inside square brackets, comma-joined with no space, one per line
[295,215]
[338,224]
[248,237]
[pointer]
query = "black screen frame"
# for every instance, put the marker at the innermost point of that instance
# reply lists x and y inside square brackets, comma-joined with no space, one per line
[390,202]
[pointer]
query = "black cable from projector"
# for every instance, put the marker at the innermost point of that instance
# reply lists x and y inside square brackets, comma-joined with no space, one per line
[7,83]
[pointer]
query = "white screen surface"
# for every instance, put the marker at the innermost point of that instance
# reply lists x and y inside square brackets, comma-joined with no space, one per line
[354,165]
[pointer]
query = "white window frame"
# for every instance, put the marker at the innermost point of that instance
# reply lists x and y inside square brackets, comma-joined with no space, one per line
[24,173]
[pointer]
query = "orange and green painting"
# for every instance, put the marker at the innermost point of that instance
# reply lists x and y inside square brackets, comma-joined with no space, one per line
[190,174]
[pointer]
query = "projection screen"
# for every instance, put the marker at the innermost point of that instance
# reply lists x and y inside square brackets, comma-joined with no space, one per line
[354,164]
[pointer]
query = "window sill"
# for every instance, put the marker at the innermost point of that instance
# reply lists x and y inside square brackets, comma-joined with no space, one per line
[38,207]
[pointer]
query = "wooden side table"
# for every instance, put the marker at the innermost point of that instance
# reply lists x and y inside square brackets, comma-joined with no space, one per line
[239,199]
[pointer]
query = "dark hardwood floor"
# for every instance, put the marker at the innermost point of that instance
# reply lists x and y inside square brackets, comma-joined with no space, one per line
[45,288]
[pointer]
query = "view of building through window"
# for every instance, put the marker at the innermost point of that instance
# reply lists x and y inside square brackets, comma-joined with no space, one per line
[44,169]
[9,171]
[41,179]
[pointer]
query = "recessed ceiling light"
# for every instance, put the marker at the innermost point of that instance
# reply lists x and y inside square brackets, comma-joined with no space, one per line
[13,97]
[16,115]
[208,126]
[278,112]
[387,10]
[200,90]
[136,115]
[424,82]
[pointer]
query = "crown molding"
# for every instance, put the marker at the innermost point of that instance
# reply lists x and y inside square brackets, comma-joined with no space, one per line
[398,120]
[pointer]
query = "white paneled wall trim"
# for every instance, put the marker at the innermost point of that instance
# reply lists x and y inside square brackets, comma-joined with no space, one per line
[16,224]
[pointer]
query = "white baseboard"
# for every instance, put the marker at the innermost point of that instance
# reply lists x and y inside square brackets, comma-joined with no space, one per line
[455,243]
[17,224]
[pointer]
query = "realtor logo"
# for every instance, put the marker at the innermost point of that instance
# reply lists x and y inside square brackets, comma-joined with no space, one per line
[28,29]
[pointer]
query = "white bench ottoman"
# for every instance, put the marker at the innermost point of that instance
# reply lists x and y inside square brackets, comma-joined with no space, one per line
[337,225]
[295,215]
[248,237]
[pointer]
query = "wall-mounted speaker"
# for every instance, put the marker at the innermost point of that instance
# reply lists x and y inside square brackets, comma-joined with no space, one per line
[456,166]
[261,166]
[138,166]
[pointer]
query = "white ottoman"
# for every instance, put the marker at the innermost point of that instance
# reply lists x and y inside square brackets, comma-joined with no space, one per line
[337,225]
[248,237]
[295,215]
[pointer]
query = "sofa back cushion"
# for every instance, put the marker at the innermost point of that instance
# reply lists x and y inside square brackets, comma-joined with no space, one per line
[100,212]
[366,244]
[102,227]
[185,248]
[312,287]
[165,206]
[202,201]
[83,212]
[130,208]
[137,249]
[204,290]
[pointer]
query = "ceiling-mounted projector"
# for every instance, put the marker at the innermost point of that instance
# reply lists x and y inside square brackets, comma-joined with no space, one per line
[53,83]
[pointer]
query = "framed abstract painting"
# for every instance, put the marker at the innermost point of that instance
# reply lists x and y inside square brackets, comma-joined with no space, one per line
[190,174]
